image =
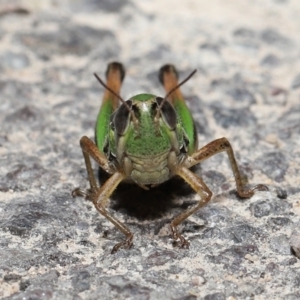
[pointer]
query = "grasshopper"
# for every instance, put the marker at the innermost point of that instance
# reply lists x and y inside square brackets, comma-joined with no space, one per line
[147,140]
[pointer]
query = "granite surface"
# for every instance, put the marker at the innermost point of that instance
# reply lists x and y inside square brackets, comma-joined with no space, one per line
[247,89]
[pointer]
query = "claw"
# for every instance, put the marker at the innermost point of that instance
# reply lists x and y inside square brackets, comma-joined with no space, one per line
[78,192]
[250,192]
[86,194]
[182,243]
[127,244]
[260,187]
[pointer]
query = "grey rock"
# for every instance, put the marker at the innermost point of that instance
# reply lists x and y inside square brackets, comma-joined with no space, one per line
[272,267]
[291,128]
[47,281]
[242,95]
[227,117]
[81,281]
[295,242]
[261,209]
[280,244]
[292,296]
[158,258]
[33,294]
[215,296]
[210,47]
[213,179]
[114,6]
[25,176]
[24,284]
[296,82]
[278,222]
[281,193]
[116,286]
[290,261]
[271,207]
[12,277]
[244,32]
[11,60]
[274,38]
[270,60]
[241,233]
[72,39]
[159,53]
[25,114]
[247,38]
[273,164]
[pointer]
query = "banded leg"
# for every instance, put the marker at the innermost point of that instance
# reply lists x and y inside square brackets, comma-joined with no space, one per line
[217,146]
[205,195]
[100,196]
[199,186]
[89,149]
[101,200]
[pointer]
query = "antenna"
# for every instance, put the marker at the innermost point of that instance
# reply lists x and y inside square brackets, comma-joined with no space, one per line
[135,120]
[172,91]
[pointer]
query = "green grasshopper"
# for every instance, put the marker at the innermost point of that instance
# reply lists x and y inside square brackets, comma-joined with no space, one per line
[147,140]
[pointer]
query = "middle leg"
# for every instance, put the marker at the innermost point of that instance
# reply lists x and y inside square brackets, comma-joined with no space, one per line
[101,200]
[205,195]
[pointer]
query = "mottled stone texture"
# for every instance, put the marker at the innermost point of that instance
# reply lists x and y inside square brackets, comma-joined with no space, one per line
[247,89]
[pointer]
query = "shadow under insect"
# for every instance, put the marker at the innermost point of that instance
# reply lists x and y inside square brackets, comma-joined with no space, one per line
[153,203]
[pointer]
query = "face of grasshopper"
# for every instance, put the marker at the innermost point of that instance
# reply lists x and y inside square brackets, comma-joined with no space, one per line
[147,140]
[148,148]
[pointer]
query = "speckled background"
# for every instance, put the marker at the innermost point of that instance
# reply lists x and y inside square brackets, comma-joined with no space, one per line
[247,54]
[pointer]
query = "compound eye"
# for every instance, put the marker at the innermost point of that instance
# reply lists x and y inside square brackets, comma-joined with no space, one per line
[168,113]
[121,118]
